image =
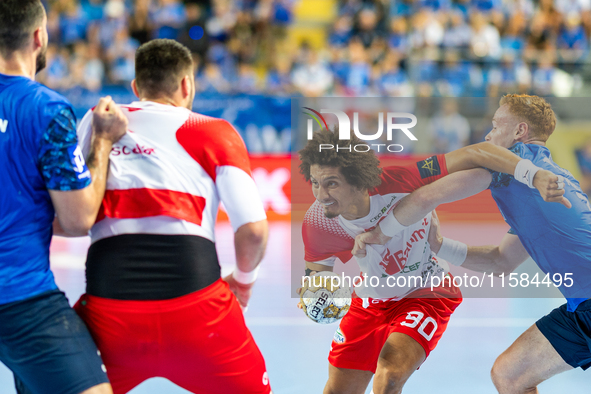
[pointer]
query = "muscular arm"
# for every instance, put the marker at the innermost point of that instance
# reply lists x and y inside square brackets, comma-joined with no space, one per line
[502,259]
[451,188]
[483,154]
[250,241]
[77,209]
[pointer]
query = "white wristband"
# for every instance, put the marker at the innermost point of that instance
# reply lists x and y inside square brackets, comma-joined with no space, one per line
[390,226]
[525,171]
[245,278]
[454,252]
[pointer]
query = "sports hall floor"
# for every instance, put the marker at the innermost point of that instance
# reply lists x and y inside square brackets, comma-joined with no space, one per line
[295,348]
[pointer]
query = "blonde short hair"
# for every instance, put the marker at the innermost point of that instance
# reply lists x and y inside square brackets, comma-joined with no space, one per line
[533,110]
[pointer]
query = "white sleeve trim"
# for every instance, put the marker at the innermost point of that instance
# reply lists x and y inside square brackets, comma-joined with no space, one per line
[84,133]
[240,196]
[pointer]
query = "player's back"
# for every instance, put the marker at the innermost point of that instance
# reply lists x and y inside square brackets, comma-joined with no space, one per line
[26,212]
[155,230]
[557,238]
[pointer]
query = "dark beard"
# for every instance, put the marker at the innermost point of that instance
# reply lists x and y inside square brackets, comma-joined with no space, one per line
[331,215]
[41,60]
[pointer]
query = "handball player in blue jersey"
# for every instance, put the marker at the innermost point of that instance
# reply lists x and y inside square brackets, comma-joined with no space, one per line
[556,236]
[42,340]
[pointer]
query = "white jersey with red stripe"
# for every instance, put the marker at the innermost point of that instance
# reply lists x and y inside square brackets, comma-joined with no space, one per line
[169,172]
[402,265]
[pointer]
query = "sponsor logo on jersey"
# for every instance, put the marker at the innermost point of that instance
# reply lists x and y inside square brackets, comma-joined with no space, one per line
[339,337]
[393,263]
[383,210]
[132,150]
[429,167]
[3,125]
[78,164]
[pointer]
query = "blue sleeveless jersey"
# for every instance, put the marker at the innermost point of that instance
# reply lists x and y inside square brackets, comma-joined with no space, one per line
[38,151]
[557,238]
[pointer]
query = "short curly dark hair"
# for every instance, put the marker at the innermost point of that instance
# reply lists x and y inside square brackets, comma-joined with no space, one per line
[360,169]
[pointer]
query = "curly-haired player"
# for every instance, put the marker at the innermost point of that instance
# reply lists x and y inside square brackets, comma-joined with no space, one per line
[388,331]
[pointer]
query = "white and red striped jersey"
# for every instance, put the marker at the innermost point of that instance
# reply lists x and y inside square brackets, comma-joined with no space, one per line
[402,265]
[169,172]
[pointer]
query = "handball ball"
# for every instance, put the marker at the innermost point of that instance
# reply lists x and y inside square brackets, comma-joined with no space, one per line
[324,298]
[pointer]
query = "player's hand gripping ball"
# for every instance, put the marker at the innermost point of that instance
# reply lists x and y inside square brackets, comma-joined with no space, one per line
[323,300]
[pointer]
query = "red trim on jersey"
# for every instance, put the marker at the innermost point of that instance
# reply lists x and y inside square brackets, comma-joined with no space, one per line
[321,244]
[140,203]
[212,143]
[406,179]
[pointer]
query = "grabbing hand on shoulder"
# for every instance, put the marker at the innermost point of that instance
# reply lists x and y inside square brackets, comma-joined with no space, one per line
[108,121]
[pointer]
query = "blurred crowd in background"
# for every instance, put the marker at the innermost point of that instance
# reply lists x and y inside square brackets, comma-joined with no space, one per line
[447,48]
[344,48]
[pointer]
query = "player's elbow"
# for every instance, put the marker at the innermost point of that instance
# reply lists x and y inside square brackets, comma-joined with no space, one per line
[254,234]
[503,266]
[76,226]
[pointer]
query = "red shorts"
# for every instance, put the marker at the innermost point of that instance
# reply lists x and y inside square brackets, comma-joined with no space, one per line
[198,341]
[363,331]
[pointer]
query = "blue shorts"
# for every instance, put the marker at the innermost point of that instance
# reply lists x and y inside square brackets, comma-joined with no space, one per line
[570,333]
[48,347]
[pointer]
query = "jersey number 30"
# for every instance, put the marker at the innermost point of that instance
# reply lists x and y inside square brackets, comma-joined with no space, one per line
[414,318]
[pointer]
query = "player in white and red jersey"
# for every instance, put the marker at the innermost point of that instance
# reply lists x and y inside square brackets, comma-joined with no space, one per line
[396,320]
[155,303]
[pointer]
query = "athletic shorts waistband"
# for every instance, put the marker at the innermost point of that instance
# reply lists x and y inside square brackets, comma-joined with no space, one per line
[157,305]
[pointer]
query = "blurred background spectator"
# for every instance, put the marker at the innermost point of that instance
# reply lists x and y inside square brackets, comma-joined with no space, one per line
[447,48]
[270,50]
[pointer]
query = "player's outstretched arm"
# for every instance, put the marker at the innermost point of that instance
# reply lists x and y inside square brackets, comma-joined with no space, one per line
[499,159]
[501,259]
[419,203]
[77,209]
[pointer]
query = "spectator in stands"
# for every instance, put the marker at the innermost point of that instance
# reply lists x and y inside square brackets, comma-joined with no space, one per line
[449,130]
[115,20]
[246,79]
[367,27]
[140,25]
[94,70]
[511,76]
[313,78]
[393,81]
[279,77]
[458,34]
[486,41]
[211,80]
[341,32]
[192,34]
[359,71]
[93,9]
[572,42]
[454,76]
[513,39]
[57,66]
[427,30]
[168,18]
[543,75]
[219,26]
[73,23]
[398,38]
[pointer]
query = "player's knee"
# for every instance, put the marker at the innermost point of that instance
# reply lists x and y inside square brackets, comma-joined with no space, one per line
[501,375]
[104,388]
[390,379]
